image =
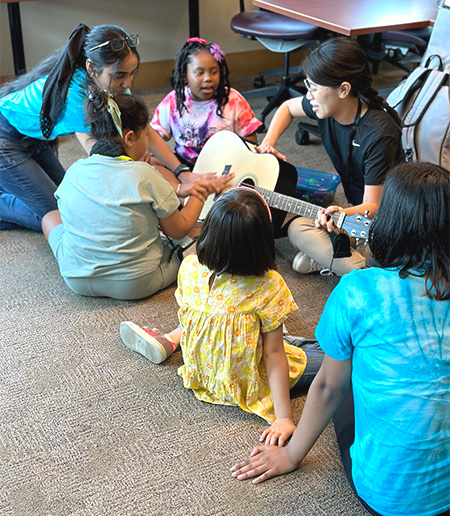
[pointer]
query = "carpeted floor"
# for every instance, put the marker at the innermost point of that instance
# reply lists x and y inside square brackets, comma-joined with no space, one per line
[88,427]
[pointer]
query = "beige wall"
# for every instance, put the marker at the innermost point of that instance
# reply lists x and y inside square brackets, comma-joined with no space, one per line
[162,27]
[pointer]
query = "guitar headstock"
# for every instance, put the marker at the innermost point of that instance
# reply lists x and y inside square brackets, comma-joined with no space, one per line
[357,226]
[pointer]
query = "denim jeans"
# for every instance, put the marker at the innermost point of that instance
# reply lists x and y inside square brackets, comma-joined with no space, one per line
[314,359]
[29,175]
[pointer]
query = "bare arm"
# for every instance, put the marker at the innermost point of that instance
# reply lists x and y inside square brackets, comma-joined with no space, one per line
[325,395]
[281,120]
[161,151]
[182,221]
[276,364]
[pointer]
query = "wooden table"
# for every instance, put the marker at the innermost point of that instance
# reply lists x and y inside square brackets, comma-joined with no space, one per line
[357,17]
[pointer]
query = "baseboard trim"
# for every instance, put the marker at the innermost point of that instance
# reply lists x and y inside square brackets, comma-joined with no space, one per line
[156,74]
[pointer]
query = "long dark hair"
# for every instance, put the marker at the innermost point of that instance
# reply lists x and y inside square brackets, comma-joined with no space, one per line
[134,116]
[339,60]
[183,58]
[104,56]
[411,228]
[237,235]
[101,58]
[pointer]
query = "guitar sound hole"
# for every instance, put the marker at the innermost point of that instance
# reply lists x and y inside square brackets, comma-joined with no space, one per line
[247,182]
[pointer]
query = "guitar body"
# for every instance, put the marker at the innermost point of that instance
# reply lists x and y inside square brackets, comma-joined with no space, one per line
[227,152]
[274,179]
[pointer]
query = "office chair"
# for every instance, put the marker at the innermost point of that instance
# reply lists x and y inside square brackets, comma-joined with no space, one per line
[278,34]
[398,47]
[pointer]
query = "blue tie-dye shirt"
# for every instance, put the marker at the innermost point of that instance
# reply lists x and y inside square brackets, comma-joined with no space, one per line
[399,340]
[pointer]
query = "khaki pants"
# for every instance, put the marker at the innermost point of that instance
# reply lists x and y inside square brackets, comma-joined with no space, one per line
[316,243]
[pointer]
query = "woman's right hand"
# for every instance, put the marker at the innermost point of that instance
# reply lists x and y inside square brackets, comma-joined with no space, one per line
[267,148]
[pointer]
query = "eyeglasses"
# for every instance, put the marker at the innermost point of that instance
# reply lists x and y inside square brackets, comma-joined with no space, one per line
[312,89]
[118,43]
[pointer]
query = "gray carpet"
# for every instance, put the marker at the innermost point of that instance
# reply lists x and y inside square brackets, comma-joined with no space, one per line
[88,427]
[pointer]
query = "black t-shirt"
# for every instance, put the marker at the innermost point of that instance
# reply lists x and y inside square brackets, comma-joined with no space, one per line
[375,149]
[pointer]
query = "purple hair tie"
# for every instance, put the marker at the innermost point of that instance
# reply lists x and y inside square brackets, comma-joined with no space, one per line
[217,52]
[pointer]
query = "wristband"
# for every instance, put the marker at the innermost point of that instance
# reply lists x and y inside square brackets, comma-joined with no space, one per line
[181,168]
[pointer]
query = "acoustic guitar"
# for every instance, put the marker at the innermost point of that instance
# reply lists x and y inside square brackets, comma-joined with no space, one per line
[226,152]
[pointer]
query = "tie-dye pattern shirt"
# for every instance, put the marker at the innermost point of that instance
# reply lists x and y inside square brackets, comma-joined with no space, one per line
[399,342]
[221,340]
[199,121]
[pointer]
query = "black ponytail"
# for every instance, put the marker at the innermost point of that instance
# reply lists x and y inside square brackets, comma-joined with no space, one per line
[58,81]
[46,66]
[374,100]
[340,60]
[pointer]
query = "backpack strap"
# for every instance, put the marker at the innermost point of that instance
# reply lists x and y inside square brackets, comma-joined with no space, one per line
[425,95]
[404,91]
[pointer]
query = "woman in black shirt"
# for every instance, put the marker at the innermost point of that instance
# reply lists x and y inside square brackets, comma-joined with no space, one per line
[361,135]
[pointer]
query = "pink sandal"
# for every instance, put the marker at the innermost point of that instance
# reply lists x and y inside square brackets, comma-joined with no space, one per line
[149,343]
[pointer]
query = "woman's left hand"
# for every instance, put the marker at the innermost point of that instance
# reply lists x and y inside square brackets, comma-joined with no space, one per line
[280,430]
[324,219]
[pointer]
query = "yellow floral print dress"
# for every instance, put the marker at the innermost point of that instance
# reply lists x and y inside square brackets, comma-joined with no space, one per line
[221,339]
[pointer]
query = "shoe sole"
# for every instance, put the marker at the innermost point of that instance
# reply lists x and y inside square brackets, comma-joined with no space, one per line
[295,265]
[137,339]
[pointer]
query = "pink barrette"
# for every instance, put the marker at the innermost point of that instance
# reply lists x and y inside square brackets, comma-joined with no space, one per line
[217,52]
[196,40]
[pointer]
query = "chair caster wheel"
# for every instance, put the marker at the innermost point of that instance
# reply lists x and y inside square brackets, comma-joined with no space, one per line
[259,82]
[302,137]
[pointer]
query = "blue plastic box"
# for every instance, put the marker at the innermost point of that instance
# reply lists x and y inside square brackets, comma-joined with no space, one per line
[316,187]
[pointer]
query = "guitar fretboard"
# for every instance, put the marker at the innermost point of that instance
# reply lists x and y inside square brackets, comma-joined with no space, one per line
[292,205]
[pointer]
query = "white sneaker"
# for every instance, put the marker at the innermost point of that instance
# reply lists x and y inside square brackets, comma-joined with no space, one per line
[304,264]
[149,343]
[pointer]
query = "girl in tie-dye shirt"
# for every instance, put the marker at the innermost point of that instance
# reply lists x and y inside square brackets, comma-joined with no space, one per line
[202,102]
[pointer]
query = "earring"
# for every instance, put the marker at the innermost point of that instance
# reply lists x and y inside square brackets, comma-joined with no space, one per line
[90,68]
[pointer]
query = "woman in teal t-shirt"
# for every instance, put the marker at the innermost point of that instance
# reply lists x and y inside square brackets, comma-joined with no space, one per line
[46,103]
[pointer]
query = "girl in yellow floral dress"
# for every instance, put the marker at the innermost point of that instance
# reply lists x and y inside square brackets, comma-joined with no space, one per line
[232,308]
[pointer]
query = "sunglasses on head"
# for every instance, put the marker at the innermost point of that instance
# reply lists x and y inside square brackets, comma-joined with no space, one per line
[118,43]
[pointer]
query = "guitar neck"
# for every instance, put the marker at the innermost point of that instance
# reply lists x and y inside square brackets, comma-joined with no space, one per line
[292,205]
